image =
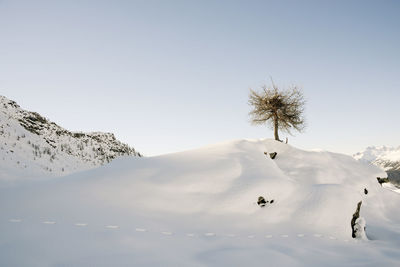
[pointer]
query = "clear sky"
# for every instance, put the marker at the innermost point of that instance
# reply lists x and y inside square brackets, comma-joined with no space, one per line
[166,76]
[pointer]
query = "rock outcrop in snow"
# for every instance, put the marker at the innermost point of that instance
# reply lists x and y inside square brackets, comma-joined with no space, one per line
[354,226]
[31,146]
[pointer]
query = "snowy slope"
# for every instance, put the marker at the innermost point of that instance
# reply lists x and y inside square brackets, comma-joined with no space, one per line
[198,208]
[32,147]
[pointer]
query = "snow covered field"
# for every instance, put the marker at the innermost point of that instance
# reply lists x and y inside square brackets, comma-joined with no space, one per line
[198,208]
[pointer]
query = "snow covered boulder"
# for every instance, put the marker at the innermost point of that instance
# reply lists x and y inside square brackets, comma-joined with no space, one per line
[359,229]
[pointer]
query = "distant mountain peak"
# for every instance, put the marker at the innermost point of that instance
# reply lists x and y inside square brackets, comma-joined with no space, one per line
[385,157]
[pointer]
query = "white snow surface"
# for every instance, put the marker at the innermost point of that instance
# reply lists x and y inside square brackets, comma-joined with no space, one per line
[198,208]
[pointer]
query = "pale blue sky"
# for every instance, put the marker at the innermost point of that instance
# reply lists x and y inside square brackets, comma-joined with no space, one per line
[166,76]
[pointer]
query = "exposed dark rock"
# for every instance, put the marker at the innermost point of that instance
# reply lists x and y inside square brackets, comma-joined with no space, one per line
[271,155]
[356,215]
[365,191]
[382,180]
[78,135]
[34,117]
[261,201]
[61,132]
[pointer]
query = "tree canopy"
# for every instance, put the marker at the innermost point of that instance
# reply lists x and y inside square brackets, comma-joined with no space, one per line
[281,109]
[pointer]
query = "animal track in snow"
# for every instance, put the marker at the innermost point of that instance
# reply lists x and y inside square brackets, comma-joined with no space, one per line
[209,234]
[81,224]
[112,226]
[166,233]
[49,222]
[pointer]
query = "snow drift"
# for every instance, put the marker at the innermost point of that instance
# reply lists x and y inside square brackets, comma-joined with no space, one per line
[200,207]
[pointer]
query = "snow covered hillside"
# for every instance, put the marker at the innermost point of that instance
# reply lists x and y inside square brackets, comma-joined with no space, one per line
[32,147]
[199,208]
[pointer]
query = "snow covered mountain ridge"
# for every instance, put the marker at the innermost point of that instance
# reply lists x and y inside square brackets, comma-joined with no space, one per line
[31,146]
[387,158]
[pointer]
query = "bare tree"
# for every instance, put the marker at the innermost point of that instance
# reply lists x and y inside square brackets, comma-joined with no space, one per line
[281,109]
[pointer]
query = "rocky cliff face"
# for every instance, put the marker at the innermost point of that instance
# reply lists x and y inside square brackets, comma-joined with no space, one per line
[32,146]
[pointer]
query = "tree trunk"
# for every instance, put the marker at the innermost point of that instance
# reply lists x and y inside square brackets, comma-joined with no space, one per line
[276,126]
